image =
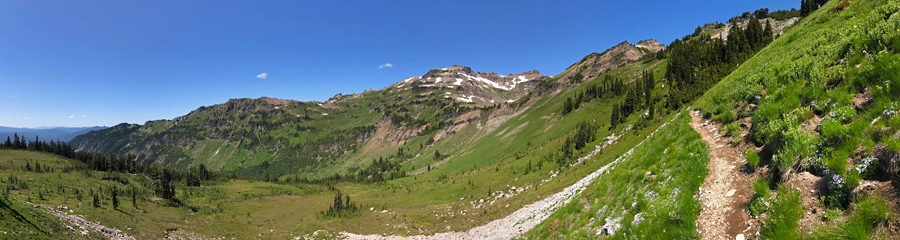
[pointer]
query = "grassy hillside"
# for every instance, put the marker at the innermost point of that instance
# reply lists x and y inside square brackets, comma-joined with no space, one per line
[822,99]
[819,100]
[498,149]
[649,194]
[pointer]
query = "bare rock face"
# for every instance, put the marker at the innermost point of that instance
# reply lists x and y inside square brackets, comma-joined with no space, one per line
[651,45]
[888,160]
[595,64]
[463,85]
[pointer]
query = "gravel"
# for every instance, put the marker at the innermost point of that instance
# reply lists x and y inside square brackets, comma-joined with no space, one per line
[79,221]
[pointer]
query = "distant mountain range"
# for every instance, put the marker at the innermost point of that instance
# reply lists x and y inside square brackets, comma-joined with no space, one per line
[47,133]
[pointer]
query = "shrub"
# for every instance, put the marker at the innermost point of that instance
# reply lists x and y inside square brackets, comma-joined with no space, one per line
[734,129]
[725,117]
[753,158]
[760,201]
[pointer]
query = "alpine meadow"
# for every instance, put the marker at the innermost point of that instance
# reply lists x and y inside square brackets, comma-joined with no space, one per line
[772,124]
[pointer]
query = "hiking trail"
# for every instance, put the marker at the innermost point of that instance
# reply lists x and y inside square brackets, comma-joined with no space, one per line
[726,190]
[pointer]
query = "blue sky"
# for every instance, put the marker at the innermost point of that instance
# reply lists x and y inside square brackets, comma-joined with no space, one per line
[87,63]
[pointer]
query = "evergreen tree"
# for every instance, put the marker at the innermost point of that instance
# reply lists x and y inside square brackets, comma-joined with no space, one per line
[115,198]
[134,197]
[7,144]
[96,201]
[806,7]
[567,106]
[614,116]
[754,33]
[16,143]
[768,33]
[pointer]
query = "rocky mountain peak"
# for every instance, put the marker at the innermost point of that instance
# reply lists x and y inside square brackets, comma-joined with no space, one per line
[464,85]
[651,44]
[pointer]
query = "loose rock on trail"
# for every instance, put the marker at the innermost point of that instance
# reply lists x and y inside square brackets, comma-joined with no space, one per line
[726,190]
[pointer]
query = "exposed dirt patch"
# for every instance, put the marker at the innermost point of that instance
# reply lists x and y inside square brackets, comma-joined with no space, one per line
[389,135]
[862,99]
[889,190]
[181,234]
[811,187]
[275,101]
[811,125]
[726,190]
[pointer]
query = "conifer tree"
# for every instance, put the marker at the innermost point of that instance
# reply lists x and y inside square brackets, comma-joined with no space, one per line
[134,197]
[96,201]
[115,198]
[16,143]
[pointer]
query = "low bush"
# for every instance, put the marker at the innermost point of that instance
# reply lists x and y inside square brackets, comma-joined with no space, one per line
[760,201]
[784,215]
[752,158]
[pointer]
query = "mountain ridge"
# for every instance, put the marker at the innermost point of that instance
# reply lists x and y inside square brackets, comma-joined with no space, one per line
[288,137]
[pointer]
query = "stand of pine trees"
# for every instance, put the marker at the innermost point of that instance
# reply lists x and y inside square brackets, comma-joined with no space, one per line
[695,64]
[163,178]
[341,207]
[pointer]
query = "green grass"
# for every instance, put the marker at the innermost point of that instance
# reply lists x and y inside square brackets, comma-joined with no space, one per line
[21,221]
[803,79]
[490,155]
[759,203]
[752,158]
[868,212]
[675,158]
[784,214]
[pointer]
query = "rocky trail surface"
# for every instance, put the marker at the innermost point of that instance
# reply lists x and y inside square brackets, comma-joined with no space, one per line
[520,221]
[726,190]
[79,221]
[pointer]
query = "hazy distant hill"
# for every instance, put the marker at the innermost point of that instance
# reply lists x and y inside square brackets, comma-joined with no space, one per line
[52,133]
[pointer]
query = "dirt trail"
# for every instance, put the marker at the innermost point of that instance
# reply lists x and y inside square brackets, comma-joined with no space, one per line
[522,220]
[79,221]
[726,190]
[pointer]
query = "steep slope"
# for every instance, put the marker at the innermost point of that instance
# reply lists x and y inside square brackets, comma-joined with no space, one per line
[253,137]
[285,137]
[815,113]
[595,64]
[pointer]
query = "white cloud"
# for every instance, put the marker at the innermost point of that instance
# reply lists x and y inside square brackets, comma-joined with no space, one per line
[84,116]
[71,116]
[262,76]
[385,65]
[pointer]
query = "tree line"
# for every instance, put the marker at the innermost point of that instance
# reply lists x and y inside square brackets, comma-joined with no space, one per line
[164,178]
[697,63]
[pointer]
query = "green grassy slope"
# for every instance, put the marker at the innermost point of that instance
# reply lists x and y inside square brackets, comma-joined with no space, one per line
[649,194]
[829,91]
[426,202]
[802,79]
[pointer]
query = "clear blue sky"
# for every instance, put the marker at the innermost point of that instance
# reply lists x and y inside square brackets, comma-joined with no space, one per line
[86,63]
